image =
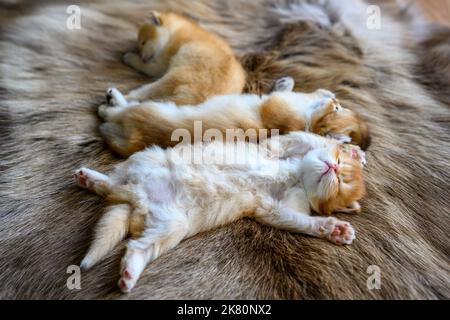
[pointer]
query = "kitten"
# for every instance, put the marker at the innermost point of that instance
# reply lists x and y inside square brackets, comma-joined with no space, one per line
[130,127]
[193,64]
[160,197]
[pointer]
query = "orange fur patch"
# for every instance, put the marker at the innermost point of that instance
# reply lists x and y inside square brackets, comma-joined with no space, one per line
[199,63]
[277,114]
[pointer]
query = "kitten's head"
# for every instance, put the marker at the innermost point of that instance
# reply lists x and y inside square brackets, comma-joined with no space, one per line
[330,119]
[154,34]
[333,179]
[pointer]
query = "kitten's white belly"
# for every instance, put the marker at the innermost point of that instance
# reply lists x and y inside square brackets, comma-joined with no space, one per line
[159,190]
[206,195]
[295,198]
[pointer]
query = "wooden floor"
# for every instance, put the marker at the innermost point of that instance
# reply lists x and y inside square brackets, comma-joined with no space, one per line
[436,10]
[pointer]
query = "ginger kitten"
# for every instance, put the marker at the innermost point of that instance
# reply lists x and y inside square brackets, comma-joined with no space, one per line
[159,197]
[192,63]
[132,126]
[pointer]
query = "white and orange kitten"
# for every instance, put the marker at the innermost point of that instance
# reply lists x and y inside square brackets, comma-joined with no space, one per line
[131,126]
[160,197]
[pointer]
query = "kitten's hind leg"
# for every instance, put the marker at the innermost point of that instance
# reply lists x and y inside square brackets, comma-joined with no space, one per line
[116,139]
[285,84]
[154,241]
[110,230]
[92,180]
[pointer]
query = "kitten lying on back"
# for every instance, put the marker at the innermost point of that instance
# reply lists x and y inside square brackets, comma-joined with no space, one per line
[193,64]
[160,197]
[132,126]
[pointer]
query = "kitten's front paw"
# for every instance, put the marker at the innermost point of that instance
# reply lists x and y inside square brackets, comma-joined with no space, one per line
[131,59]
[338,232]
[285,84]
[115,98]
[81,178]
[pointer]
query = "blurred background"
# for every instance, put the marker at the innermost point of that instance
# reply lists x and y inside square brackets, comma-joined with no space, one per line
[436,10]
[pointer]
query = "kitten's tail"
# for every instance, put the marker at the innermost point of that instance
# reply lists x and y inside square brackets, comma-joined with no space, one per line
[111,229]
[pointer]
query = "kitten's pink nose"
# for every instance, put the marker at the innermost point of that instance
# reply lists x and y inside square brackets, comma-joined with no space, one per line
[331,166]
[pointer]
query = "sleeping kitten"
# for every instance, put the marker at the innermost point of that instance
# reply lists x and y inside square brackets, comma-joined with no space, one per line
[193,64]
[160,197]
[130,127]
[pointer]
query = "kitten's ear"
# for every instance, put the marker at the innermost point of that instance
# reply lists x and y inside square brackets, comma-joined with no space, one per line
[155,18]
[325,93]
[353,208]
[355,152]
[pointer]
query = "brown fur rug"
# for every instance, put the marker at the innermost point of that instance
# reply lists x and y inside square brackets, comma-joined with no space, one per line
[53,78]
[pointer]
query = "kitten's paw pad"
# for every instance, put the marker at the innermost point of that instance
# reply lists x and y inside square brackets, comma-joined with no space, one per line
[125,286]
[127,281]
[338,232]
[90,179]
[285,84]
[81,178]
[133,264]
[109,96]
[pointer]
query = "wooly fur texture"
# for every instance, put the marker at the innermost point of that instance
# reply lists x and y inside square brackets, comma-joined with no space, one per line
[53,78]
